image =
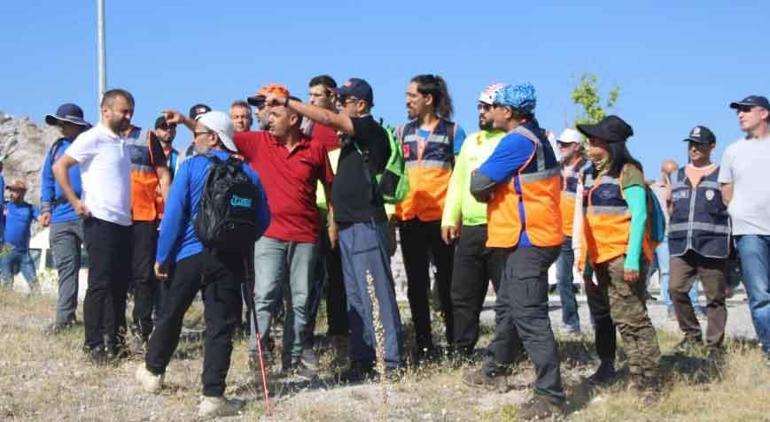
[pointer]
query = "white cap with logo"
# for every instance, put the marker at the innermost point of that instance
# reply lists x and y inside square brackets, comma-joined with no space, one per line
[219,123]
[487,96]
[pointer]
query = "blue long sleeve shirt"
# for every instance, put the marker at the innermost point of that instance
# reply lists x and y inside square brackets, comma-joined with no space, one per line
[177,239]
[51,195]
[18,221]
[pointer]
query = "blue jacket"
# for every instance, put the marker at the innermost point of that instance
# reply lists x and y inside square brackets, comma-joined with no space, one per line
[51,196]
[177,239]
[18,220]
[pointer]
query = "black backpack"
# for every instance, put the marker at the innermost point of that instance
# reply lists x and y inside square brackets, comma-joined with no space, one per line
[227,214]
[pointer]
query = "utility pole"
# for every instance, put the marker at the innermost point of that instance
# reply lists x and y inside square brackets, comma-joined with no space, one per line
[101,49]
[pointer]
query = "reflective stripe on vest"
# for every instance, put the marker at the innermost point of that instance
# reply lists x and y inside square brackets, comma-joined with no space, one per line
[428,163]
[529,202]
[699,219]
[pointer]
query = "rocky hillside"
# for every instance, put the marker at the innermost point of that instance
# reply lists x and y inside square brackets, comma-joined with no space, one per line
[23,146]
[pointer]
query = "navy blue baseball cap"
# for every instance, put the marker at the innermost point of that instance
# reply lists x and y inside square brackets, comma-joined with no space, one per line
[751,101]
[701,135]
[198,109]
[358,88]
[67,113]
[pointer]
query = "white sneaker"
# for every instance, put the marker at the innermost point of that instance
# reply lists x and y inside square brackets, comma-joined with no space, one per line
[213,407]
[151,383]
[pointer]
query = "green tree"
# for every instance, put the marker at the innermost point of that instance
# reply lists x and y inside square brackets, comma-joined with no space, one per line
[586,95]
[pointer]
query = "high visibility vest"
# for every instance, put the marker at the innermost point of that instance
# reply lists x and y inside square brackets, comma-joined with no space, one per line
[699,219]
[569,182]
[145,202]
[529,202]
[428,163]
[608,219]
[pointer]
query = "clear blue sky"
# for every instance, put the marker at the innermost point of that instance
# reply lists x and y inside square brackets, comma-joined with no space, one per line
[678,63]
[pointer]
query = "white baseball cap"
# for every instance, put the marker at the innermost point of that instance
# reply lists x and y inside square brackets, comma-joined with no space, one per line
[487,96]
[219,123]
[570,136]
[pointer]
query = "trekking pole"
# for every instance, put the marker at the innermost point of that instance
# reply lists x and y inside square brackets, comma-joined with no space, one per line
[249,295]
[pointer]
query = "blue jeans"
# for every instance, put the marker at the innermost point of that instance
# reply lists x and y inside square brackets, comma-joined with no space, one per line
[754,251]
[273,258]
[365,259]
[14,261]
[569,306]
[661,262]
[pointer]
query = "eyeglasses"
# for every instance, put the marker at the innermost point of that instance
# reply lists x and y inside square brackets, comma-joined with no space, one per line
[343,101]
[484,107]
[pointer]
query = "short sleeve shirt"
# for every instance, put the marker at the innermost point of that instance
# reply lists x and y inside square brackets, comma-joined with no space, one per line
[105,170]
[744,164]
[289,179]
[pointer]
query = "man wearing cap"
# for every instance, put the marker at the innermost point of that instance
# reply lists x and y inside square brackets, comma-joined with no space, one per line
[520,183]
[291,165]
[105,206]
[195,111]
[464,222]
[258,101]
[699,242]
[166,133]
[66,232]
[150,180]
[570,144]
[217,275]
[743,175]
[359,212]
[18,221]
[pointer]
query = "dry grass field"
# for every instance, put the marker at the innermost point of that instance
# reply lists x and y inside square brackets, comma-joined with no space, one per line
[47,378]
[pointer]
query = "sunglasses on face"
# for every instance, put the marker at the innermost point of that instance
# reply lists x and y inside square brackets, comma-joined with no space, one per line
[484,107]
[744,109]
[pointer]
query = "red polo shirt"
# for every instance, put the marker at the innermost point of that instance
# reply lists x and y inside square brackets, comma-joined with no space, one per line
[289,179]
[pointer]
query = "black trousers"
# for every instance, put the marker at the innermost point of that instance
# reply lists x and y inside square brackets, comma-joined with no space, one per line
[420,243]
[104,307]
[474,266]
[144,238]
[523,302]
[328,283]
[218,277]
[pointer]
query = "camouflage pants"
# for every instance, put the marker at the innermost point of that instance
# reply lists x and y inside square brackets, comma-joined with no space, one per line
[628,311]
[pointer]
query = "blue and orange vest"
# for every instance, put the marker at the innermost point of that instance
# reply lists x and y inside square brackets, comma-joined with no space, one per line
[569,182]
[529,202]
[608,219]
[429,163]
[146,202]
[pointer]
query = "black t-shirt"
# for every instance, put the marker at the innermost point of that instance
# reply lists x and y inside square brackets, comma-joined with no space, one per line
[354,198]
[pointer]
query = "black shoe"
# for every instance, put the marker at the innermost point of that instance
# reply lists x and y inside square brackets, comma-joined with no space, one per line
[98,356]
[605,374]
[541,407]
[480,378]
[358,373]
[426,355]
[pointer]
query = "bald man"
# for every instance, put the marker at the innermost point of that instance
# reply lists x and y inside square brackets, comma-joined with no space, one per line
[660,263]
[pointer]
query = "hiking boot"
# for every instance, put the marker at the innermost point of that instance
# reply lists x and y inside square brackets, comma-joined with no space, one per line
[150,382]
[214,407]
[358,373]
[604,375]
[688,344]
[541,407]
[647,386]
[309,358]
[480,378]
[302,371]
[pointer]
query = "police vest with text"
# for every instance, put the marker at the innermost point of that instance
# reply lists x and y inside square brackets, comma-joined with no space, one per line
[699,219]
[529,202]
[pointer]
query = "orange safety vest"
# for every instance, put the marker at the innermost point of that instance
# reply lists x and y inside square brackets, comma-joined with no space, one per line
[429,163]
[569,181]
[529,202]
[608,219]
[146,203]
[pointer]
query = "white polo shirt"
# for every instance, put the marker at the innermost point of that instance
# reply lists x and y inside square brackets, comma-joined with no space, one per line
[105,169]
